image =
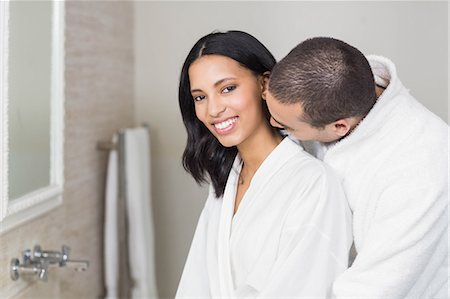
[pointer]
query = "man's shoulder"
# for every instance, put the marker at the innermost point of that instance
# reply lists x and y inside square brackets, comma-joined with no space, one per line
[314,148]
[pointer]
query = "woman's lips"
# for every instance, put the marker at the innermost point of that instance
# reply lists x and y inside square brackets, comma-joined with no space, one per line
[225,126]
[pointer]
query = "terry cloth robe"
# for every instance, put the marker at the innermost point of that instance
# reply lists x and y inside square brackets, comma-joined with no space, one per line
[394,169]
[289,238]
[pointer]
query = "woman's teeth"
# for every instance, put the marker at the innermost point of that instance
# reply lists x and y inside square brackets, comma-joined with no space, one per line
[225,124]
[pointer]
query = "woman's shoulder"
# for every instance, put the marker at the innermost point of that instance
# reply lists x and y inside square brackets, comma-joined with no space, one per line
[313,182]
[303,173]
[302,161]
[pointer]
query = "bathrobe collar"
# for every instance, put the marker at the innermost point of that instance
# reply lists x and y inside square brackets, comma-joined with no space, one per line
[385,75]
[228,224]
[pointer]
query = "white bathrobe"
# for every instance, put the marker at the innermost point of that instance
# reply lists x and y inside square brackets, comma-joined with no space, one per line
[394,169]
[289,238]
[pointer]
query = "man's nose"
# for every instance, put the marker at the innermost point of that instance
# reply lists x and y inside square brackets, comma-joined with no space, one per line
[273,123]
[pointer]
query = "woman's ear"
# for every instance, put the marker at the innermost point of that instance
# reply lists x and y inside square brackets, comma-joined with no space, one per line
[264,84]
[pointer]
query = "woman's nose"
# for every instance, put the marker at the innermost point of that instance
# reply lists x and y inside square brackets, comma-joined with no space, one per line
[215,106]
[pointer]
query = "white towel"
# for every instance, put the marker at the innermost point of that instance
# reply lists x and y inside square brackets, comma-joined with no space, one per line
[140,220]
[111,241]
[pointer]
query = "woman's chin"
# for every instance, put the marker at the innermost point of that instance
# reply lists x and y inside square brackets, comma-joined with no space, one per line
[228,142]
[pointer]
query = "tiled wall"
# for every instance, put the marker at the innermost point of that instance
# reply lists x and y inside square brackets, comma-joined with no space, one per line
[99,101]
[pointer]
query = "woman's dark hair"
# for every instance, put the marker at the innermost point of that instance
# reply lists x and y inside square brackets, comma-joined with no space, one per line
[204,156]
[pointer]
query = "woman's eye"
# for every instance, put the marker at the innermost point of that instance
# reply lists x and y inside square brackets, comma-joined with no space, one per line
[229,88]
[198,98]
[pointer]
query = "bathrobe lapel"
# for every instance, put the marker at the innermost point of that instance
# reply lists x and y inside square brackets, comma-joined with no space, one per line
[254,202]
[223,242]
[231,228]
[255,193]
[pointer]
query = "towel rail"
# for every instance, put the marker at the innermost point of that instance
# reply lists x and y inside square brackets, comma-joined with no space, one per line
[106,145]
[109,145]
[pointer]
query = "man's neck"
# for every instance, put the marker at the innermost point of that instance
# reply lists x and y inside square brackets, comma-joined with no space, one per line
[357,120]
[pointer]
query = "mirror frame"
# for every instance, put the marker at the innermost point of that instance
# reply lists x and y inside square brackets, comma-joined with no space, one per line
[37,202]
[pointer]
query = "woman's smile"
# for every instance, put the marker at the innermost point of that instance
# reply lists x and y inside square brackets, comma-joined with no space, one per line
[225,126]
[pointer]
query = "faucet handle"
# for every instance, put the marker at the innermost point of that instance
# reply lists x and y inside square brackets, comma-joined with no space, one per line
[27,257]
[14,269]
[43,270]
[65,250]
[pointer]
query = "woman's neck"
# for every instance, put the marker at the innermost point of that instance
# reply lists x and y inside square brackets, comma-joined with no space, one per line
[255,150]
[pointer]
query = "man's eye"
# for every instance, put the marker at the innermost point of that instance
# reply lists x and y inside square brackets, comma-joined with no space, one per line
[229,88]
[199,98]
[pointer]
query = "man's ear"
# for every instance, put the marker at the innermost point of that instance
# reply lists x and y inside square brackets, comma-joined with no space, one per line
[265,84]
[342,126]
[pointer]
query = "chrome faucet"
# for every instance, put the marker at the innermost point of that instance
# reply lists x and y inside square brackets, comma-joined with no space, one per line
[38,261]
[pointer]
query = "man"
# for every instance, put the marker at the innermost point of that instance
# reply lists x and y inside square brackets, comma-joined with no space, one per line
[391,154]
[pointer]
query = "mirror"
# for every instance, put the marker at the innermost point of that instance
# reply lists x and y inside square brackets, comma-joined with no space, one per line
[31,143]
[29,108]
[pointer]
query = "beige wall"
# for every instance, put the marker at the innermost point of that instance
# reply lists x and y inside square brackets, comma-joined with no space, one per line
[99,101]
[413,34]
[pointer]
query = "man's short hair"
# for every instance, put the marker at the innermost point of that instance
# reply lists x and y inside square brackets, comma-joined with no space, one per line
[331,79]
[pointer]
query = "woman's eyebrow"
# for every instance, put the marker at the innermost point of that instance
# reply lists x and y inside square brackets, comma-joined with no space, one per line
[215,84]
[223,80]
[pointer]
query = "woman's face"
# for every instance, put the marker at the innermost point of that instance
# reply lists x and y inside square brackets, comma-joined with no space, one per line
[227,98]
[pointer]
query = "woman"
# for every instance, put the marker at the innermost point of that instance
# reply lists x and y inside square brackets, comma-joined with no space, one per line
[276,222]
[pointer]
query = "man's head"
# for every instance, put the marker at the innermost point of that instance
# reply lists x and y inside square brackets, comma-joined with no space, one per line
[321,90]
